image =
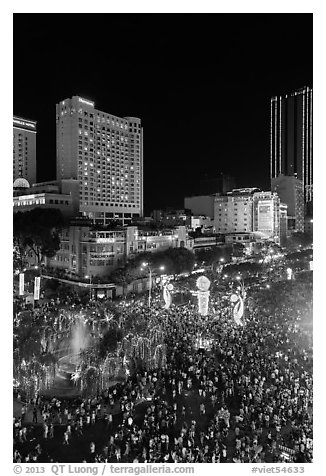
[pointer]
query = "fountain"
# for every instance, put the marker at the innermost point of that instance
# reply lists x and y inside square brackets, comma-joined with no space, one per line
[80,336]
[69,359]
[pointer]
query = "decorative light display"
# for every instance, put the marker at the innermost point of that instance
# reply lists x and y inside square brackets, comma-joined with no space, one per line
[203,285]
[167,295]
[238,308]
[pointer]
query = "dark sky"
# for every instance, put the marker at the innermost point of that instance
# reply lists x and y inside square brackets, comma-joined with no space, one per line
[201,83]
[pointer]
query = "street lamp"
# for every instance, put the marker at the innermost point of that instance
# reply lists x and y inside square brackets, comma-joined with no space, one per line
[242,287]
[90,285]
[147,265]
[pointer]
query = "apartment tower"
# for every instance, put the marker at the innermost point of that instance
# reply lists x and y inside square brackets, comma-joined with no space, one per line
[105,154]
[24,164]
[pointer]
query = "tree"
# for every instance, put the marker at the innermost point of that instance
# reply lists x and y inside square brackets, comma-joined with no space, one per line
[299,239]
[238,250]
[183,259]
[38,230]
[174,260]
[109,342]
[213,255]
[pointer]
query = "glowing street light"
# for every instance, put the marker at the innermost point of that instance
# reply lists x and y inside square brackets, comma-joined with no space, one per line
[147,265]
[90,285]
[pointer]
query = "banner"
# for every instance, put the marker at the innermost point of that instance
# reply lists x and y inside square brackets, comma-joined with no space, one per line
[21,284]
[37,285]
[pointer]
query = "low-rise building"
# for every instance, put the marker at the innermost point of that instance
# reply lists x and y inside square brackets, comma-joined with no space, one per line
[85,251]
[62,195]
[249,210]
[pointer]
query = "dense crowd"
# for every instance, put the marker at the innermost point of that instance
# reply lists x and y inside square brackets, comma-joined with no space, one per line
[247,397]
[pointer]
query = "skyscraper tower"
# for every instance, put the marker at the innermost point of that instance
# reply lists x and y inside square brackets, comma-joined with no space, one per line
[291,137]
[24,164]
[105,153]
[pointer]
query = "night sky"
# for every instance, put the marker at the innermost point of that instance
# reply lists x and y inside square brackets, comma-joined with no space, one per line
[201,83]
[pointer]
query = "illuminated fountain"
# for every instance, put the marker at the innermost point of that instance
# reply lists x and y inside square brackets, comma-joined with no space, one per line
[79,336]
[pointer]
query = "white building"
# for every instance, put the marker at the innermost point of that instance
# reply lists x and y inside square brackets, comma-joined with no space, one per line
[62,195]
[233,212]
[105,153]
[248,210]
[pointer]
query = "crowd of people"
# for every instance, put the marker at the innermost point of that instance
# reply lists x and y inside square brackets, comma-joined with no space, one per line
[245,397]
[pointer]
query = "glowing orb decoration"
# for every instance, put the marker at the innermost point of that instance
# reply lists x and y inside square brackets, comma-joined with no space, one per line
[203,283]
[234,298]
[170,286]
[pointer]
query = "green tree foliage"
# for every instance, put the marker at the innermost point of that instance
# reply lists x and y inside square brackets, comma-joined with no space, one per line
[109,342]
[213,255]
[38,230]
[243,269]
[238,250]
[299,239]
[174,260]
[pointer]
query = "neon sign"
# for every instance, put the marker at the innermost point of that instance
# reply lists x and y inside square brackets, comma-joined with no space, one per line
[24,123]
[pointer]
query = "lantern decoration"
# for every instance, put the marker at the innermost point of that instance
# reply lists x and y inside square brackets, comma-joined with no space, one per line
[167,288]
[203,285]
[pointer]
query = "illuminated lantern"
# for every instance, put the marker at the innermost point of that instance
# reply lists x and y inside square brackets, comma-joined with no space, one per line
[203,285]
[167,295]
[234,298]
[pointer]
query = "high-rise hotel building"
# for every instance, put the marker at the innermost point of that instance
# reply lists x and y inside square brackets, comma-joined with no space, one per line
[24,164]
[105,153]
[291,137]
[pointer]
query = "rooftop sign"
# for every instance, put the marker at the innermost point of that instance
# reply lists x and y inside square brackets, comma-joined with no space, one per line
[85,101]
[24,123]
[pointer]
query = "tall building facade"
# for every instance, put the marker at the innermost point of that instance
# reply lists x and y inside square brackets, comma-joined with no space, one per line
[233,211]
[24,164]
[291,146]
[105,154]
[290,191]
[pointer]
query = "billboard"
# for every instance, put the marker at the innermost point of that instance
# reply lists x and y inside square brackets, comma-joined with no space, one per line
[265,216]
